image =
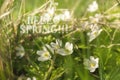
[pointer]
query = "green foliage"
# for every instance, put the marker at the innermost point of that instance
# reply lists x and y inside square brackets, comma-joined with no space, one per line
[105,46]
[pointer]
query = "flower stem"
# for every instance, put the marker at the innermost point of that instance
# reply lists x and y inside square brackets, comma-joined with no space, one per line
[47,74]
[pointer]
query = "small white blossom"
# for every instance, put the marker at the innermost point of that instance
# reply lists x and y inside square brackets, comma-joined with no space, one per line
[44,55]
[67,50]
[69,46]
[91,64]
[93,7]
[95,31]
[93,34]
[56,45]
[20,51]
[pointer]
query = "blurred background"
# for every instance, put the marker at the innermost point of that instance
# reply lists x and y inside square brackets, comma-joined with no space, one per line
[20,7]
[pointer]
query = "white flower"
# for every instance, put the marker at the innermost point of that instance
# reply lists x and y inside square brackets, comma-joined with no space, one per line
[69,46]
[20,51]
[56,45]
[91,64]
[67,50]
[44,55]
[95,32]
[93,7]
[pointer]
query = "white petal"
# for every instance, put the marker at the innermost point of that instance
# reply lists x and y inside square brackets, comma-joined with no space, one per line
[34,78]
[92,70]
[93,34]
[40,52]
[92,58]
[54,45]
[59,42]
[97,59]
[63,52]
[28,78]
[44,48]
[50,48]
[43,59]
[69,46]
[96,66]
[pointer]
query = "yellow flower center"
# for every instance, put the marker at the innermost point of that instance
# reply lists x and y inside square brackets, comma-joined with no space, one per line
[92,65]
[57,47]
[46,54]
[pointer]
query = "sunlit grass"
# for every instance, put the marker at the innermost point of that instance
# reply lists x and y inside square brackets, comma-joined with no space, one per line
[64,63]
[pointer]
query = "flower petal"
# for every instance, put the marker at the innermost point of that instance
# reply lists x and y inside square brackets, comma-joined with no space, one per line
[40,52]
[69,46]
[42,59]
